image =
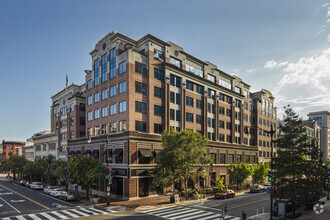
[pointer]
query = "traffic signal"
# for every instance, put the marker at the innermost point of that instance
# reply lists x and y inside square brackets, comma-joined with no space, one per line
[270,176]
[276,190]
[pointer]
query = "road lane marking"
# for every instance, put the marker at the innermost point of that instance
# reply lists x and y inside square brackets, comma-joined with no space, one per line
[10,205]
[26,197]
[55,199]
[46,215]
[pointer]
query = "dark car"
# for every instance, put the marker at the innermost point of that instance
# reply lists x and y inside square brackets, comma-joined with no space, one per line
[68,196]
[227,194]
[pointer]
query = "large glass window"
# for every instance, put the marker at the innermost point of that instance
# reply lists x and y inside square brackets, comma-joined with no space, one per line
[189,101]
[122,67]
[113,90]
[200,89]
[199,119]
[90,100]
[96,97]
[97,72]
[158,128]
[199,104]
[104,94]
[113,109]
[237,89]
[90,116]
[89,84]
[172,97]
[104,111]
[190,85]
[158,92]
[113,63]
[178,115]
[140,68]
[231,158]
[141,126]
[140,107]
[172,114]
[211,78]
[122,87]
[189,117]
[222,158]
[178,99]
[97,114]
[122,106]
[104,68]
[159,55]
[159,74]
[194,70]
[122,126]
[141,88]
[158,110]
[224,84]
[211,93]
[175,62]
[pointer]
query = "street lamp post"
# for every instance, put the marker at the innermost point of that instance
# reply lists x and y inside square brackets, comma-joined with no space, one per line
[271,132]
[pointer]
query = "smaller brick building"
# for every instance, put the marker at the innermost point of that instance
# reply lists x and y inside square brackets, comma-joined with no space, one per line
[8,148]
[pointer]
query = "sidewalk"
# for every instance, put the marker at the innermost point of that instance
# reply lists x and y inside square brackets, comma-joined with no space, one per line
[155,201]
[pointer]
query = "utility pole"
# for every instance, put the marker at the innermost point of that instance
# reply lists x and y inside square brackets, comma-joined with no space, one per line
[271,132]
[109,174]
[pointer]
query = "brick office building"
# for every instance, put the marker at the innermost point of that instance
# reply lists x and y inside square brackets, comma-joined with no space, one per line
[8,148]
[68,116]
[136,89]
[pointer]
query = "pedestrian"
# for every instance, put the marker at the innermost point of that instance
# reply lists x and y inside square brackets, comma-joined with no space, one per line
[243,215]
[225,209]
[222,215]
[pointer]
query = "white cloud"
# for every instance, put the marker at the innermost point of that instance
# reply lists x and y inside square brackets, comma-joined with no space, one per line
[305,84]
[271,64]
[251,70]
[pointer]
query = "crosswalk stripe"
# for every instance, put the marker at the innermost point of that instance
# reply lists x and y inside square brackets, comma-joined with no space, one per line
[79,212]
[182,214]
[45,215]
[34,217]
[70,214]
[197,216]
[96,210]
[210,217]
[88,211]
[168,211]
[6,218]
[20,217]
[59,215]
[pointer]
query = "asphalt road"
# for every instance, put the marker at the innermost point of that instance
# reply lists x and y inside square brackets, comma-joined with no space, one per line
[18,200]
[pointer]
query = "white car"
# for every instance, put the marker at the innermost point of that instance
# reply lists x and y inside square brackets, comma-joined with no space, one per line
[36,185]
[48,188]
[56,192]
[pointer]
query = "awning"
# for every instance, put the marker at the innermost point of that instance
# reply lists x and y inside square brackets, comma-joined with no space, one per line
[117,152]
[156,152]
[105,153]
[78,152]
[145,152]
[87,152]
[95,153]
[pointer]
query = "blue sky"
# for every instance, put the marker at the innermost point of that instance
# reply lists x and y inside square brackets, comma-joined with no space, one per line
[282,46]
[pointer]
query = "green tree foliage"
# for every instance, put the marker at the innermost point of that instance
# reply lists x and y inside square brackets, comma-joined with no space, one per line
[181,158]
[298,171]
[14,164]
[240,172]
[260,172]
[219,184]
[60,170]
[85,171]
[32,170]
[45,164]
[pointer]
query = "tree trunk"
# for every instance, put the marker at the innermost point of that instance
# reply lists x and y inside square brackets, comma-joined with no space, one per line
[186,188]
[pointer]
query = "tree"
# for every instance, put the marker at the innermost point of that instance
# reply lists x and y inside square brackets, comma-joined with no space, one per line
[85,171]
[14,164]
[298,170]
[219,184]
[45,164]
[240,172]
[181,158]
[60,170]
[260,172]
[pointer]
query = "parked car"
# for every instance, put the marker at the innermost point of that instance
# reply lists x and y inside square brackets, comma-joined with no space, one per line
[36,185]
[56,192]
[22,182]
[48,188]
[68,196]
[27,184]
[257,189]
[227,194]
